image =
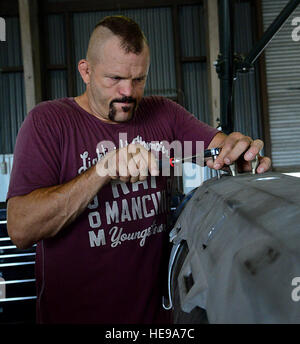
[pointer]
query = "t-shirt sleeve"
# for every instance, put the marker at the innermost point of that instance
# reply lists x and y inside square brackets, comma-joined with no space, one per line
[36,161]
[187,127]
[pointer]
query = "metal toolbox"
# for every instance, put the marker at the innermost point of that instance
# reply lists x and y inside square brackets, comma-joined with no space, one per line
[17,279]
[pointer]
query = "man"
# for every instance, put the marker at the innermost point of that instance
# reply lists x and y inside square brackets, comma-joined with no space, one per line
[98,211]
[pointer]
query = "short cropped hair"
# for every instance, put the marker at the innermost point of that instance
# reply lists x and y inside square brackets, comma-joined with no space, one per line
[131,35]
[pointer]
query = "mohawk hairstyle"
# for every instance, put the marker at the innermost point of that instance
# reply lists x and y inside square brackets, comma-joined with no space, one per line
[132,37]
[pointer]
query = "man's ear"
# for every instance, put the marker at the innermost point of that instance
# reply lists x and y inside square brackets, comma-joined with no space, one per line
[84,70]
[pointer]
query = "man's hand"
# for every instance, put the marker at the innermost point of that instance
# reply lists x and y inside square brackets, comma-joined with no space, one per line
[240,148]
[132,163]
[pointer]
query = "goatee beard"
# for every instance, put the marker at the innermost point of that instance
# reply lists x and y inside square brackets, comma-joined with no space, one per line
[113,110]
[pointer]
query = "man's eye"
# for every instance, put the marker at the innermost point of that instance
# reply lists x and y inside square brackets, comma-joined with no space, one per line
[116,78]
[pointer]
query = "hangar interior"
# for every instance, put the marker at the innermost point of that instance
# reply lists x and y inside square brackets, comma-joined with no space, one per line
[44,40]
[184,45]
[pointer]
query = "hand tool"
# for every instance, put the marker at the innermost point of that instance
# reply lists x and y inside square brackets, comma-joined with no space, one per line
[208,153]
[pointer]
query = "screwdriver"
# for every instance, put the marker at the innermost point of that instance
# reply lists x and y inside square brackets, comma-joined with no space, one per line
[208,153]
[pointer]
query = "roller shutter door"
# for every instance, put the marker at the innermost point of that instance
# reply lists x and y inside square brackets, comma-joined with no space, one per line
[283,84]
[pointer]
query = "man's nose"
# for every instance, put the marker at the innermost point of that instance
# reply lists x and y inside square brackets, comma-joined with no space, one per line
[126,88]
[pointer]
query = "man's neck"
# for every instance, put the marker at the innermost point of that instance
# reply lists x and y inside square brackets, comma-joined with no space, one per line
[83,102]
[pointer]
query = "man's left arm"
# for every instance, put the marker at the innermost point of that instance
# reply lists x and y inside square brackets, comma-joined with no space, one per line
[238,147]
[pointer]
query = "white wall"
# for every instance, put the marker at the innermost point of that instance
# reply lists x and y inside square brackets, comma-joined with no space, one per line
[5,170]
[193,176]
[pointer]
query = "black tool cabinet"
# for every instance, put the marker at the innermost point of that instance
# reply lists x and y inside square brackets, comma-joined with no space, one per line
[17,279]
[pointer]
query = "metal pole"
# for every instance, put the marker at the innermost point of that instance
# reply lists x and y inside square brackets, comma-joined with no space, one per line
[226,65]
[271,32]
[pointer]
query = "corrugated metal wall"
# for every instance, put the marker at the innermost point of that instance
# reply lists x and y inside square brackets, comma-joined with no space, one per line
[57,39]
[247,103]
[12,97]
[193,44]
[57,56]
[283,81]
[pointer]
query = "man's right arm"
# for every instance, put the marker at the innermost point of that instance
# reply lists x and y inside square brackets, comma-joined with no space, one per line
[45,211]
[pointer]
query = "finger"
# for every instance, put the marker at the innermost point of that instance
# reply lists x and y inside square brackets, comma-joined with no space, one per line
[147,156]
[112,162]
[106,167]
[133,171]
[210,163]
[150,160]
[227,147]
[134,148]
[135,151]
[255,147]
[264,164]
[142,165]
[124,179]
[123,158]
[133,167]
[235,148]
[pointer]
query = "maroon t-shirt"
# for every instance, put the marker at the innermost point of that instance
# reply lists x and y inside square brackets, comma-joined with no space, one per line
[109,265]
